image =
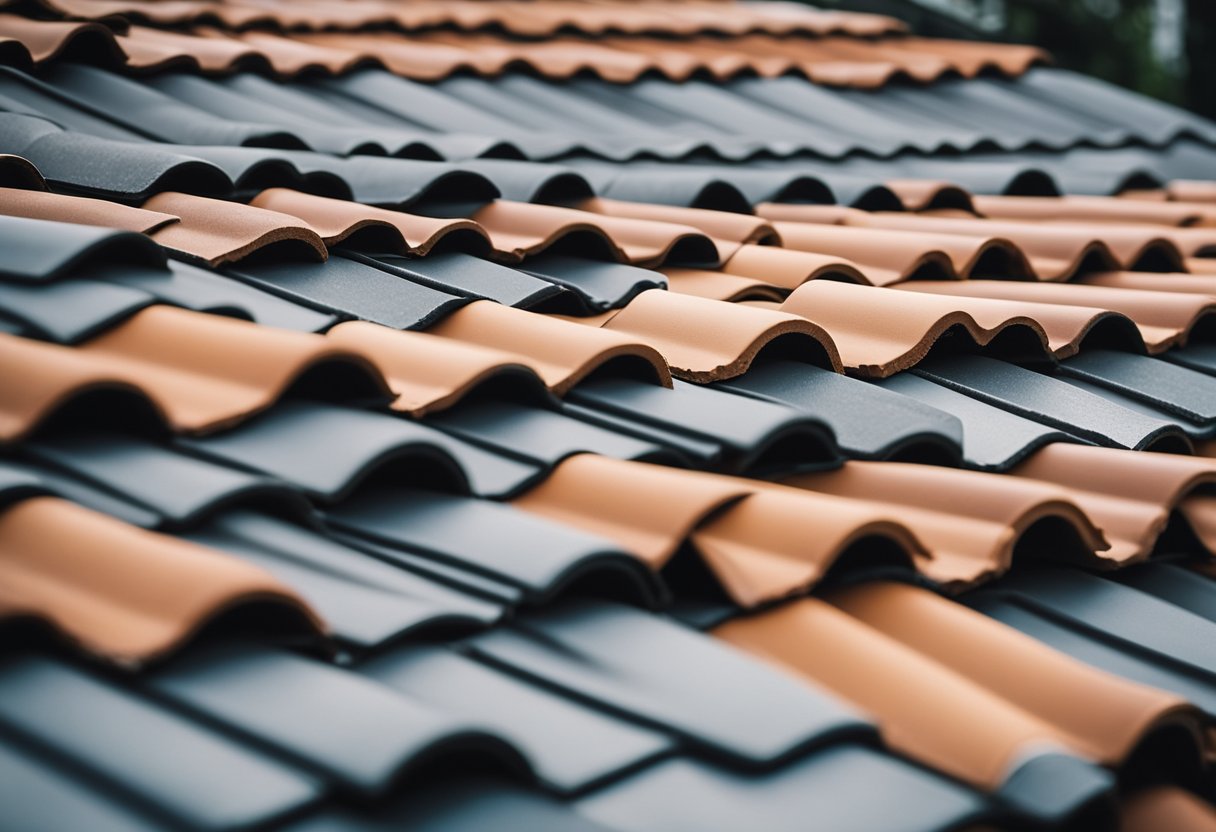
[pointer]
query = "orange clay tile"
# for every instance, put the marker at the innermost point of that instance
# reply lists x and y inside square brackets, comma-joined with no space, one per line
[760,541]
[1167,807]
[768,45]
[1181,283]
[784,268]
[337,219]
[1165,319]
[123,593]
[520,18]
[560,352]
[290,57]
[889,256]
[410,57]
[781,541]
[954,708]
[972,58]
[706,340]
[882,331]
[1128,494]
[518,229]
[719,285]
[1094,209]
[427,373]
[43,205]
[147,48]
[970,522]
[199,372]
[648,509]
[727,229]
[1057,250]
[1199,509]
[216,231]
[1191,190]
[46,40]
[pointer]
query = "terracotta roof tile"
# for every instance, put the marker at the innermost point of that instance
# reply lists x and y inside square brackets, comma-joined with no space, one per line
[788,268]
[124,593]
[1191,190]
[46,40]
[762,44]
[779,542]
[705,340]
[216,232]
[335,220]
[520,18]
[1131,497]
[892,256]
[1056,251]
[1093,209]
[720,285]
[519,229]
[649,510]
[81,210]
[729,231]
[560,352]
[488,432]
[913,321]
[976,718]
[1165,319]
[428,373]
[970,522]
[199,372]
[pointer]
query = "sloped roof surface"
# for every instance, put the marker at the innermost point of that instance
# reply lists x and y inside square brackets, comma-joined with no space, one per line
[596,417]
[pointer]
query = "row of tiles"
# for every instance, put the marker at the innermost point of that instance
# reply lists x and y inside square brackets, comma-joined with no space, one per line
[676,17]
[974,719]
[171,357]
[32,531]
[817,322]
[32,525]
[385,114]
[633,753]
[832,60]
[138,168]
[1014,238]
[1142,311]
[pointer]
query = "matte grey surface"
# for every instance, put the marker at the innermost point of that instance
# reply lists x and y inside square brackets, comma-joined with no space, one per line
[1052,402]
[358,733]
[869,422]
[352,289]
[845,788]
[993,439]
[366,601]
[653,670]
[36,251]
[756,435]
[572,747]
[505,543]
[182,770]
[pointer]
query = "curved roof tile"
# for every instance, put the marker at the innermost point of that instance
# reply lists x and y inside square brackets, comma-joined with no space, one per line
[147,593]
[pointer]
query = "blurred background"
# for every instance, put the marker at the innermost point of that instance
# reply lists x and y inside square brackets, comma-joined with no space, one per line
[1163,48]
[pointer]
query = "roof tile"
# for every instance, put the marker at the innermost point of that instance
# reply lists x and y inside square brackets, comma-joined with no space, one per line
[705,340]
[123,593]
[200,372]
[217,232]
